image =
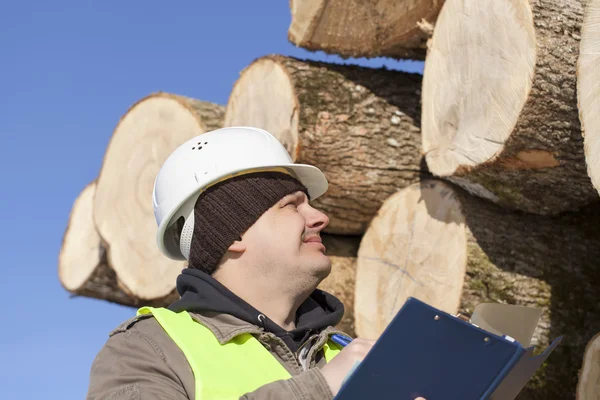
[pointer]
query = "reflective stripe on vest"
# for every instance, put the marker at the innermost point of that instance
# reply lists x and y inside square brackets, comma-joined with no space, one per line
[225,371]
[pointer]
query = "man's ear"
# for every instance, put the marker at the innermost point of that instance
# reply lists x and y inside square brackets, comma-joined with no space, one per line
[237,247]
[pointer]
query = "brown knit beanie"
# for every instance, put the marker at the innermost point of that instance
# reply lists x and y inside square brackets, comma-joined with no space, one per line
[225,211]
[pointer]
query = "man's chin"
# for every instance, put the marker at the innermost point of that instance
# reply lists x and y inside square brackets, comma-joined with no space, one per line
[319,263]
[323,267]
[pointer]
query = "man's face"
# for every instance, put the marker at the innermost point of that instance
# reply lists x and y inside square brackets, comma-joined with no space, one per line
[286,238]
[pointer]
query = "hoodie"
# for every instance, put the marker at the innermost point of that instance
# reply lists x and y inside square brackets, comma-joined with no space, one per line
[201,292]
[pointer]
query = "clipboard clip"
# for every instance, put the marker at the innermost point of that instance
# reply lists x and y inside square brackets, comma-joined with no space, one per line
[463,316]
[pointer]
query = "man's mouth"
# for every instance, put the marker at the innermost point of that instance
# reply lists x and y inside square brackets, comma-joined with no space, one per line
[313,239]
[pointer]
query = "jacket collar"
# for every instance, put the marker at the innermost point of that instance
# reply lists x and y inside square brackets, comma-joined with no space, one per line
[226,327]
[228,315]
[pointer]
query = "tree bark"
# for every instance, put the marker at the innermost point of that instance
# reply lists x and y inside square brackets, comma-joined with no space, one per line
[123,212]
[355,28]
[436,242]
[341,246]
[104,285]
[500,111]
[588,386]
[358,125]
[588,89]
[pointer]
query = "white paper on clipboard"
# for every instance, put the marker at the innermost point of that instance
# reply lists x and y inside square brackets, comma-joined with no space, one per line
[518,322]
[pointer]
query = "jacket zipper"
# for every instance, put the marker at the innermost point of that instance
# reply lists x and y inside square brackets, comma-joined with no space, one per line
[303,352]
[310,339]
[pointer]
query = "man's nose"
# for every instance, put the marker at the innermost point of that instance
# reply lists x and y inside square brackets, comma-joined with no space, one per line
[316,219]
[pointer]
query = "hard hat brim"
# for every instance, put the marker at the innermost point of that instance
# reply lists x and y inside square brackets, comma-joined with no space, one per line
[310,176]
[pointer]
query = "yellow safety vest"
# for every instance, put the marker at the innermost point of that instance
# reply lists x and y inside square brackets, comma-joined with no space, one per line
[225,371]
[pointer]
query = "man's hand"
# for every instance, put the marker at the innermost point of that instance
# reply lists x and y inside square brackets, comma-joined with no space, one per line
[336,370]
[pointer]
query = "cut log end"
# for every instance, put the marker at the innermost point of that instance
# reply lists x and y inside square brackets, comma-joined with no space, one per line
[588,385]
[83,266]
[352,28]
[264,97]
[123,211]
[415,246]
[304,17]
[82,251]
[588,89]
[499,103]
[478,74]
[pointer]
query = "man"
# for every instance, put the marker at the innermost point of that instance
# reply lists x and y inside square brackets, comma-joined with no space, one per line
[250,322]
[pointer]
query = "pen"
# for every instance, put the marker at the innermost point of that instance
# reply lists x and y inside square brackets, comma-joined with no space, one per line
[341,340]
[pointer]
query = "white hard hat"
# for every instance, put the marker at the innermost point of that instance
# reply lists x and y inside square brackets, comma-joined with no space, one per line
[210,158]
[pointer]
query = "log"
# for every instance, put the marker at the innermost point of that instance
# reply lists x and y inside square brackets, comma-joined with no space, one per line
[500,113]
[83,268]
[588,386]
[144,137]
[410,250]
[588,89]
[342,251]
[437,243]
[340,283]
[341,246]
[358,125]
[82,251]
[355,28]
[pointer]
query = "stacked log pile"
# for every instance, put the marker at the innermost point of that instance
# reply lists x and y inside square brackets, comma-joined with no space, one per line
[504,125]
[475,182]
[436,242]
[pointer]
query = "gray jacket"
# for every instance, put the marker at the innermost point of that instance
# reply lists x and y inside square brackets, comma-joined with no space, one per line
[140,361]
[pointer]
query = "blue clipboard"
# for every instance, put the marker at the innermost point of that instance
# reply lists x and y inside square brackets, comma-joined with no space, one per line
[429,353]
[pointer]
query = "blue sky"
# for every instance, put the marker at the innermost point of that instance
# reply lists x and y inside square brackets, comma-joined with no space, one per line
[68,72]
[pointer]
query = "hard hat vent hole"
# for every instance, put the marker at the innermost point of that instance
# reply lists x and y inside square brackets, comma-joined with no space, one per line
[199,146]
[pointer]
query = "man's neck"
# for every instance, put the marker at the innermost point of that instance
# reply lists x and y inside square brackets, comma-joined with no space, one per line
[274,301]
